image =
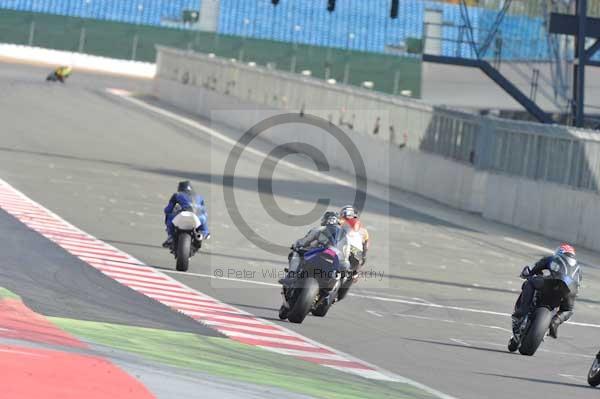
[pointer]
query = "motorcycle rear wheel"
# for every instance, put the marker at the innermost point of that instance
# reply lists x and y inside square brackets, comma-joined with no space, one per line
[594,373]
[535,335]
[308,291]
[322,309]
[184,242]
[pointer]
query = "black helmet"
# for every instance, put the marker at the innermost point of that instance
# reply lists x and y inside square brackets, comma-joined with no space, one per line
[330,218]
[185,187]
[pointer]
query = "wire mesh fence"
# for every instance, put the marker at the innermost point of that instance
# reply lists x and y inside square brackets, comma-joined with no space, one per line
[386,73]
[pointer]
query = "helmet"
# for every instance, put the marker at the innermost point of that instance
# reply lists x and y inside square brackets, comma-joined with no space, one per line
[185,186]
[330,218]
[565,250]
[348,212]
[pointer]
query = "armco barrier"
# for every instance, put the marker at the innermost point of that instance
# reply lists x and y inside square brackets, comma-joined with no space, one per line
[552,209]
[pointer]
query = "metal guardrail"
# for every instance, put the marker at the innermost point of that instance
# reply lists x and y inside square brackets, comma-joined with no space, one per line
[550,153]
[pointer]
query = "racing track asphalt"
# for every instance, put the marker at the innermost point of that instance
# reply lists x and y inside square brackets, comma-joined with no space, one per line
[108,167]
[55,283]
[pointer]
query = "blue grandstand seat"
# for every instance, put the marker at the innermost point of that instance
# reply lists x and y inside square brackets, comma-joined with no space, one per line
[368,22]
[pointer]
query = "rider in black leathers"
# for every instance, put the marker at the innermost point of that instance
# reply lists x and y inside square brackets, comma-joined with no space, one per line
[328,233]
[563,257]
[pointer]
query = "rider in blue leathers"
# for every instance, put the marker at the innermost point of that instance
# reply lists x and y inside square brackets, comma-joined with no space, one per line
[185,199]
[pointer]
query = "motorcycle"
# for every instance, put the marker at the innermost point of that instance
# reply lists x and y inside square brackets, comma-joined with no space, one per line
[356,254]
[54,77]
[187,240]
[549,292]
[316,284]
[594,373]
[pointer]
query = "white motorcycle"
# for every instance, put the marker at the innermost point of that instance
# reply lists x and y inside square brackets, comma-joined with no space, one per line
[187,240]
[356,253]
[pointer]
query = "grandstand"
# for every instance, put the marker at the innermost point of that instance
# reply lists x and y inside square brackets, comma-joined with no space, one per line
[357,43]
[356,24]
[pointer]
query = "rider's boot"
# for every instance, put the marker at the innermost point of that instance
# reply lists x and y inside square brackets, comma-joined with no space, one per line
[168,242]
[553,331]
[516,324]
[287,280]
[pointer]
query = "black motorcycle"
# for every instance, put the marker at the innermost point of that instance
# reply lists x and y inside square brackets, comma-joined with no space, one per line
[315,284]
[549,293]
[594,373]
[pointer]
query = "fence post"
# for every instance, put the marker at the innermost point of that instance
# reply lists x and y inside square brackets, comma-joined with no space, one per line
[525,168]
[81,40]
[396,82]
[346,73]
[569,159]
[31,33]
[134,47]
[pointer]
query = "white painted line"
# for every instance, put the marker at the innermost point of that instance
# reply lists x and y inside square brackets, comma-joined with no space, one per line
[574,378]
[222,278]
[125,270]
[374,313]
[200,306]
[197,125]
[458,341]
[431,305]
[134,283]
[298,352]
[247,320]
[268,339]
[136,279]
[552,352]
[126,265]
[385,299]
[528,245]
[374,376]
[161,296]
[257,329]
[173,295]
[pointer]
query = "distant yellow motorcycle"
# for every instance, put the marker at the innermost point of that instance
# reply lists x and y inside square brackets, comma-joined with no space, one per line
[60,74]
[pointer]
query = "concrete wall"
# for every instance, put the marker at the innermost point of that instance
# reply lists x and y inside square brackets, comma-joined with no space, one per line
[550,209]
[452,183]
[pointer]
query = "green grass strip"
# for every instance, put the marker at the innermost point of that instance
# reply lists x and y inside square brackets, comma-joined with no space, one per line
[223,357]
[6,294]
